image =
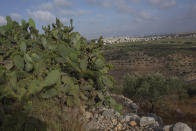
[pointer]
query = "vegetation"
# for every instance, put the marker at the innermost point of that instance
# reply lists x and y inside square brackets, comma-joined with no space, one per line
[170,57]
[59,64]
[156,48]
[150,88]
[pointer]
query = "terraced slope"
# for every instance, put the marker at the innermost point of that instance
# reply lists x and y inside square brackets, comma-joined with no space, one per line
[176,57]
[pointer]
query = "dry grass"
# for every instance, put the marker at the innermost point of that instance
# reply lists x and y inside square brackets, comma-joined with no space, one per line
[57,116]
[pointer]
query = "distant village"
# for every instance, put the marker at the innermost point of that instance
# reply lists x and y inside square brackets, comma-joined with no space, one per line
[122,39]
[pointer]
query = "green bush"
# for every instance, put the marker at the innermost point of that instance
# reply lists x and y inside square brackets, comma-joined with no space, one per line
[57,63]
[188,42]
[152,87]
[192,90]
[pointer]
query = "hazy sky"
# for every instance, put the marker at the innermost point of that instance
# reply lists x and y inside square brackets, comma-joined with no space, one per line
[93,18]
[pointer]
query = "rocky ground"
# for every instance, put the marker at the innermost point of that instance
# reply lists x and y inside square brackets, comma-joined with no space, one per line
[104,119]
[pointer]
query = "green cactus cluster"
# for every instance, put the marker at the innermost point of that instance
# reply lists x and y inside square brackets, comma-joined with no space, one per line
[56,63]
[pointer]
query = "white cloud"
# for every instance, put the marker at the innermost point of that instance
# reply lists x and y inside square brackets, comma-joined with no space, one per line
[63,3]
[16,16]
[163,4]
[55,5]
[100,16]
[64,20]
[82,12]
[91,1]
[2,20]
[77,12]
[135,0]
[119,5]
[146,15]
[42,16]
[47,6]
[122,6]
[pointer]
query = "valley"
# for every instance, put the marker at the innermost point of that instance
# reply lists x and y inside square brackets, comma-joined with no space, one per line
[175,57]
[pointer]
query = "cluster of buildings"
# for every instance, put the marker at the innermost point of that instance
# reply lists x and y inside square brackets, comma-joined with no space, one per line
[114,40]
[122,39]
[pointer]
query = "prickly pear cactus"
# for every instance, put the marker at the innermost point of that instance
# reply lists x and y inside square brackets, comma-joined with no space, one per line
[57,62]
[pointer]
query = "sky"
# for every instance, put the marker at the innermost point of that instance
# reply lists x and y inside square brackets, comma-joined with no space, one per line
[93,18]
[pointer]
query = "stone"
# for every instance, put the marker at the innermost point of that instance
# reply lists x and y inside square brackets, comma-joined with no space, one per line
[157,129]
[167,128]
[134,106]
[122,121]
[117,114]
[119,127]
[82,109]
[108,119]
[101,117]
[135,117]
[92,125]
[157,118]
[111,126]
[93,109]
[146,121]
[180,112]
[88,115]
[181,127]
[96,115]
[127,118]
[125,126]
[114,122]
[132,123]
[108,113]
[120,118]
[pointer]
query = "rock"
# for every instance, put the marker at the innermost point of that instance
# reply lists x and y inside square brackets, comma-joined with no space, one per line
[119,127]
[88,115]
[147,121]
[92,125]
[110,120]
[122,99]
[101,117]
[179,112]
[157,129]
[93,109]
[127,118]
[96,115]
[82,109]
[181,127]
[124,126]
[157,118]
[114,122]
[167,128]
[122,121]
[117,114]
[135,117]
[132,123]
[134,106]
[108,113]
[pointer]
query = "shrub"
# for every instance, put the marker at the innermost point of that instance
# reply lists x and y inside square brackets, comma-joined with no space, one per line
[46,65]
[188,42]
[152,87]
[192,91]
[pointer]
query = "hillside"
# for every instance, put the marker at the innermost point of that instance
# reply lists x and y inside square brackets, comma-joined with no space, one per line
[174,57]
[171,57]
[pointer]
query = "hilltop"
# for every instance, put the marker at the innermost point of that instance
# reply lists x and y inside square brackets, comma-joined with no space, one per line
[121,39]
